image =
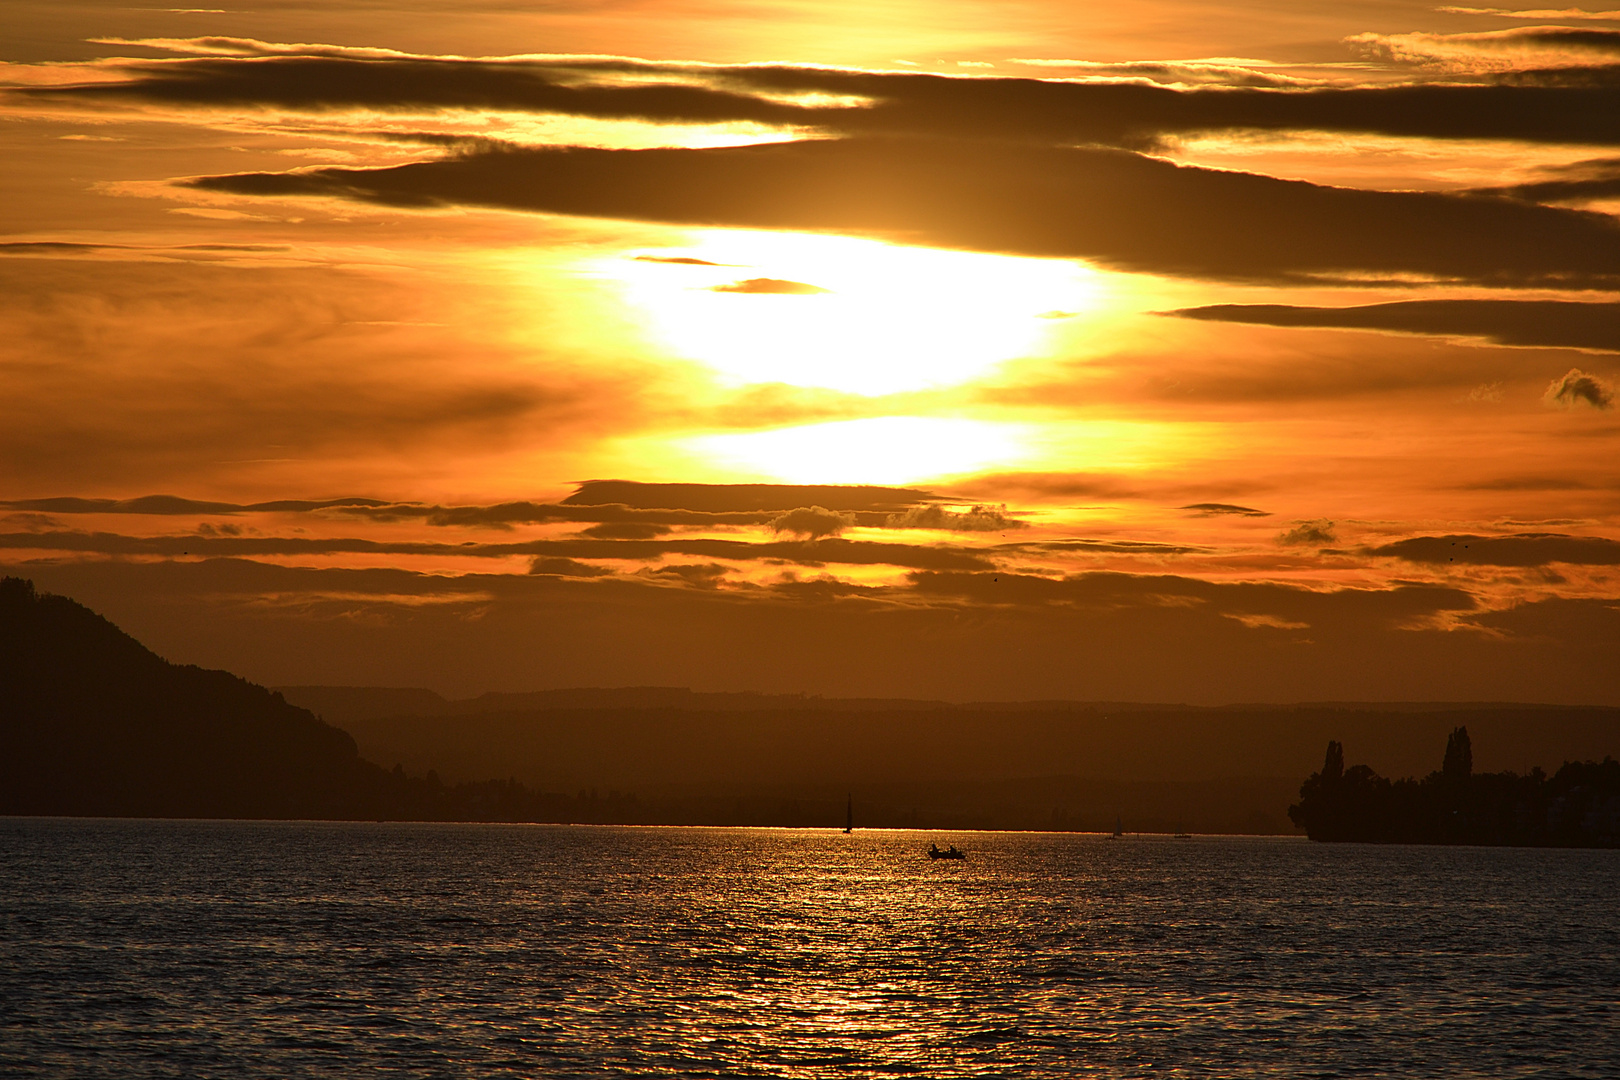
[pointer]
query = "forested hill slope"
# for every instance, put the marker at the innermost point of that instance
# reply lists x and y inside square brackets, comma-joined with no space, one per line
[92,722]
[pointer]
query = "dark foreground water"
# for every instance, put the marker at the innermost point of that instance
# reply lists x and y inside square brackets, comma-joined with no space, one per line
[193,949]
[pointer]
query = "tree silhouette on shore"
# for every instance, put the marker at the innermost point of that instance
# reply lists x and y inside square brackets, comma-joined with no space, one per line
[1578,806]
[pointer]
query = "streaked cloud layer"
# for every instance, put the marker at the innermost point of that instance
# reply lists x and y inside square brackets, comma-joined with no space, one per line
[1035,355]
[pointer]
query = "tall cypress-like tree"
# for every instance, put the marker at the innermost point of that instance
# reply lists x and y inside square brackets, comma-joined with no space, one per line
[1333,765]
[1459,763]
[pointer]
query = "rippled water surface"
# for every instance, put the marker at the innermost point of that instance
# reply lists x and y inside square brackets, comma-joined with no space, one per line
[133,948]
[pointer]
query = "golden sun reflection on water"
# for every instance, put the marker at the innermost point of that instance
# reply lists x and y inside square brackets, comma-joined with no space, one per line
[859,316]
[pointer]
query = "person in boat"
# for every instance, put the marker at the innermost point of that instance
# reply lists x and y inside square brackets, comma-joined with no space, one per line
[933,850]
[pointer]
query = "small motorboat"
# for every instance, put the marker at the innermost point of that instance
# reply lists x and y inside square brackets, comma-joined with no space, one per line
[949,853]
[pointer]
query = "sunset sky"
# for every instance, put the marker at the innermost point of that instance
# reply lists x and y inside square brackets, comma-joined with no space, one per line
[1153,351]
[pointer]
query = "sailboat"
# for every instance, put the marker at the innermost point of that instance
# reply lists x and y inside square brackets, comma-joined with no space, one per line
[1119,827]
[849,815]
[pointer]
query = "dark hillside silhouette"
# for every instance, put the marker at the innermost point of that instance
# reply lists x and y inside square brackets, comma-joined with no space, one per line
[1578,806]
[92,722]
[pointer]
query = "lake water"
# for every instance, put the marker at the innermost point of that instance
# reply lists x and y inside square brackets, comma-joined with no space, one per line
[193,949]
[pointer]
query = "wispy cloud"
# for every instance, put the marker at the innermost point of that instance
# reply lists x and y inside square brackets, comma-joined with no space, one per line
[763,286]
[1496,50]
[1576,387]
[1313,533]
[976,519]
[812,521]
[1556,323]
[1214,509]
[1565,14]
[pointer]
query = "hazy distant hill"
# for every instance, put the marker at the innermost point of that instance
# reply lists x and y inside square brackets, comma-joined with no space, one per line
[637,736]
[343,704]
[783,759]
[346,704]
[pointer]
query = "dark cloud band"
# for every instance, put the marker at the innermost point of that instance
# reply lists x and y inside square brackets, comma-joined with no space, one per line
[1547,323]
[1524,549]
[814,552]
[1556,106]
[1121,209]
[173,504]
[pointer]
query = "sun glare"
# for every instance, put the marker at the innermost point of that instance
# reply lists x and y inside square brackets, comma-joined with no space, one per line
[859,316]
[884,450]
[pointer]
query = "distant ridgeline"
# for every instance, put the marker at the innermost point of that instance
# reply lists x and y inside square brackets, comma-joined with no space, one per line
[1578,806]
